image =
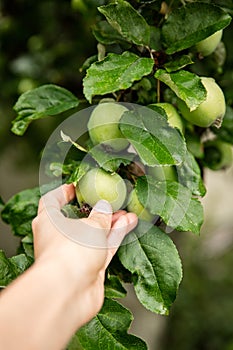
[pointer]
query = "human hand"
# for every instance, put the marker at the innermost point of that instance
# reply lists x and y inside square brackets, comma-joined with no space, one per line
[64,288]
[81,249]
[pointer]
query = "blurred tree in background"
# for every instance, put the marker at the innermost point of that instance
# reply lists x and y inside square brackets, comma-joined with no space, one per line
[47,41]
[41,42]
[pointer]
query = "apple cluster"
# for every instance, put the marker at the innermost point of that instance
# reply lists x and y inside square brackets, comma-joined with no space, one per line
[103,129]
[96,184]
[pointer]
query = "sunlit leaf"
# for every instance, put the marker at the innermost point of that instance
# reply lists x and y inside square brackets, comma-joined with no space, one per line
[114,73]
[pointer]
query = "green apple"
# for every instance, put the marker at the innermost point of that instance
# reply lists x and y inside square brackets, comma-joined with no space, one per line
[103,126]
[173,117]
[207,46]
[217,154]
[79,196]
[136,207]
[211,110]
[163,173]
[98,184]
[78,5]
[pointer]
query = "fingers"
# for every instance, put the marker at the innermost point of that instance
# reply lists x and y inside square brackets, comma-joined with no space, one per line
[102,215]
[116,215]
[111,228]
[125,223]
[57,198]
[92,231]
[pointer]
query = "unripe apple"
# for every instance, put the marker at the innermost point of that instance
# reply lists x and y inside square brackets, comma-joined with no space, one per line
[78,5]
[136,207]
[79,196]
[207,46]
[98,184]
[211,111]
[173,117]
[217,154]
[163,173]
[103,126]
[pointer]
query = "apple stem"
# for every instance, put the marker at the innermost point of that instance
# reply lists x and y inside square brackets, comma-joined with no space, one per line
[218,122]
[67,138]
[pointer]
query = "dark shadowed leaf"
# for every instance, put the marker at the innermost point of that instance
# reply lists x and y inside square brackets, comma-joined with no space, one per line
[113,288]
[225,133]
[127,21]
[10,268]
[106,34]
[22,208]
[192,23]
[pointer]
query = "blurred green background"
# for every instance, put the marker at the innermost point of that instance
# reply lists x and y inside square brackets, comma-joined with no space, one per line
[47,41]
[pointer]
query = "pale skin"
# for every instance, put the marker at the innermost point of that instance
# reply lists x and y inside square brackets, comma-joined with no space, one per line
[64,288]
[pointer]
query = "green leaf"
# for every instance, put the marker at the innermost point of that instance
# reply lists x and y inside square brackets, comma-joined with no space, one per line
[179,63]
[74,344]
[27,245]
[87,63]
[8,271]
[108,330]
[110,161]
[192,23]
[71,211]
[80,171]
[187,86]
[189,175]
[151,136]
[127,21]
[225,133]
[155,38]
[115,72]
[1,204]
[56,168]
[21,262]
[172,201]
[106,34]
[59,169]
[20,210]
[152,257]
[114,288]
[10,268]
[44,101]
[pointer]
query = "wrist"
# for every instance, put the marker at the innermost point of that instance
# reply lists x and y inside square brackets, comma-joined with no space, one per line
[44,299]
[59,273]
[64,289]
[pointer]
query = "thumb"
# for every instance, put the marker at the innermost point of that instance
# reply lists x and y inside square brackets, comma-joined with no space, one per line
[101,214]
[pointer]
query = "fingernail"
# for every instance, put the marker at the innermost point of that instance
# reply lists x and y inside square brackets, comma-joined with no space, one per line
[103,206]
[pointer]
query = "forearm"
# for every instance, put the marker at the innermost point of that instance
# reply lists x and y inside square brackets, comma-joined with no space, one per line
[40,310]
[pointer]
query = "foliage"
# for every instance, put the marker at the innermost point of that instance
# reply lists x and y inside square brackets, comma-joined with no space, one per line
[201,316]
[146,54]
